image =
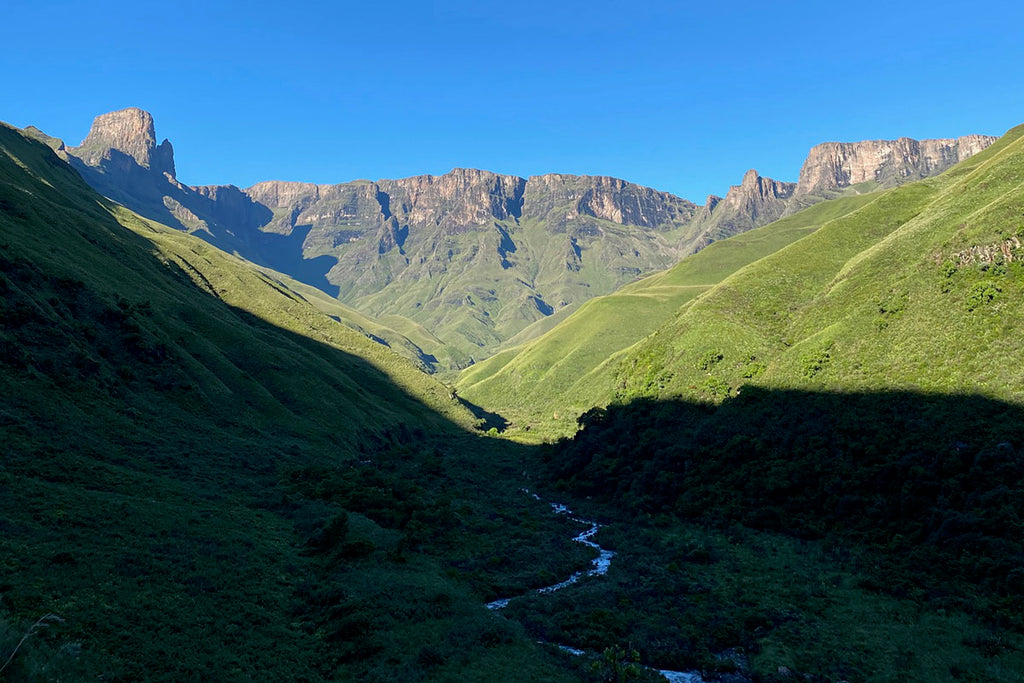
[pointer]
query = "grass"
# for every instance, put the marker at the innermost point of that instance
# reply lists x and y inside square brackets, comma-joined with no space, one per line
[852,536]
[162,403]
[545,384]
[684,595]
[867,291]
[845,294]
[208,477]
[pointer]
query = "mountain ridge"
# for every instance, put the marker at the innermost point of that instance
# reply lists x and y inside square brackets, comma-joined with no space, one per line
[474,256]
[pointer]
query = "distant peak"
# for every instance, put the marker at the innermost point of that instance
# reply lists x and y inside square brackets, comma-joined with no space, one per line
[130,131]
[750,177]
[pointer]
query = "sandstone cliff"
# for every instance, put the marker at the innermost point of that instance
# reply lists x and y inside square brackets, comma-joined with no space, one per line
[128,132]
[833,166]
[756,201]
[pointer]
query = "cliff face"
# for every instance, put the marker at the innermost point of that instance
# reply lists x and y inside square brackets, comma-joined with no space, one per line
[832,166]
[126,133]
[469,197]
[609,199]
[476,256]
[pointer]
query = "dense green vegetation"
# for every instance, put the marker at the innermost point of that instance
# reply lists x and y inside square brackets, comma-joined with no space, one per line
[889,501]
[205,477]
[810,468]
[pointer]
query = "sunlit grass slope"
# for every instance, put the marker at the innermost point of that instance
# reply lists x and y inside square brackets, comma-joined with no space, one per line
[546,383]
[206,478]
[919,289]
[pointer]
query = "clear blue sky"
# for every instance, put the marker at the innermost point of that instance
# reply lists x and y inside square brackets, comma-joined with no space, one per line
[680,96]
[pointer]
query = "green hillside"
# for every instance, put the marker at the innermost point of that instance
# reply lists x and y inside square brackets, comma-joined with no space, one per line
[915,290]
[821,454]
[546,383]
[206,478]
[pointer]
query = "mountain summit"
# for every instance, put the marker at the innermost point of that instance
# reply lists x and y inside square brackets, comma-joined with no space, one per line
[129,132]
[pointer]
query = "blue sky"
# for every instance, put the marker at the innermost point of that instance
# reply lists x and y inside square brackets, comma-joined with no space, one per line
[680,96]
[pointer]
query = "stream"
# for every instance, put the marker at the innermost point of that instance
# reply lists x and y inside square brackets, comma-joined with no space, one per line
[598,567]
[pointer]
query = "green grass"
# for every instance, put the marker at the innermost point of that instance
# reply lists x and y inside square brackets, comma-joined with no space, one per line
[545,384]
[777,602]
[856,536]
[208,477]
[857,282]
[868,293]
[163,408]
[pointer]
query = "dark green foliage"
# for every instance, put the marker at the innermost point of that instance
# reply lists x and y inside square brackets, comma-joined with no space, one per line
[982,293]
[778,514]
[164,407]
[931,483]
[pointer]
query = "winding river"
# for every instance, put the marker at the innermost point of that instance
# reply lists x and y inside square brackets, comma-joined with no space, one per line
[598,567]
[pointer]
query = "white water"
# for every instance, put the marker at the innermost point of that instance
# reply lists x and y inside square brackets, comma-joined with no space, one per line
[598,567]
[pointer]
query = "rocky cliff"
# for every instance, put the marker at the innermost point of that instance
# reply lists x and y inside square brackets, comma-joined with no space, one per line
[834,166]
[126,133]
[476,256]
[756,201]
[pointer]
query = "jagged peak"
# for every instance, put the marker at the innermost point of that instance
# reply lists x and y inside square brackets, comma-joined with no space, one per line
[132,132]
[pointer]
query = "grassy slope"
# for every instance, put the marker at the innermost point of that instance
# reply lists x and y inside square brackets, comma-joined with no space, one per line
[149,428]
[546,383]
[470,300]
[877,427]
[875,299]
[401,335]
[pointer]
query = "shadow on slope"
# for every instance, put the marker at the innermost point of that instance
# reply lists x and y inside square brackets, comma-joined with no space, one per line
[844,536]
[208,213]
[163,454]
[932,482]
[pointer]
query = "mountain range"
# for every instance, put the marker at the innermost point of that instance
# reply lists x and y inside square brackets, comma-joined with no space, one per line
[453,267]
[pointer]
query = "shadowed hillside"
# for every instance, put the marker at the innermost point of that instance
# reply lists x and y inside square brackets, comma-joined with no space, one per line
[170,421]
[902,510]
[206,476]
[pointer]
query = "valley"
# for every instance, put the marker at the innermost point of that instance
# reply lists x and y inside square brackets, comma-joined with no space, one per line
[284,433]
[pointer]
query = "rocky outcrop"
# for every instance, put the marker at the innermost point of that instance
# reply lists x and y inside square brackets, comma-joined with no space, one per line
[128,132]
[833,166]
[462,197]
[609,199]
[754,202]
[465,198]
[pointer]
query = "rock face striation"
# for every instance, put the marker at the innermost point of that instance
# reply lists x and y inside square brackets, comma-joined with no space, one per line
[131,133]
[834,166]
[472,257]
